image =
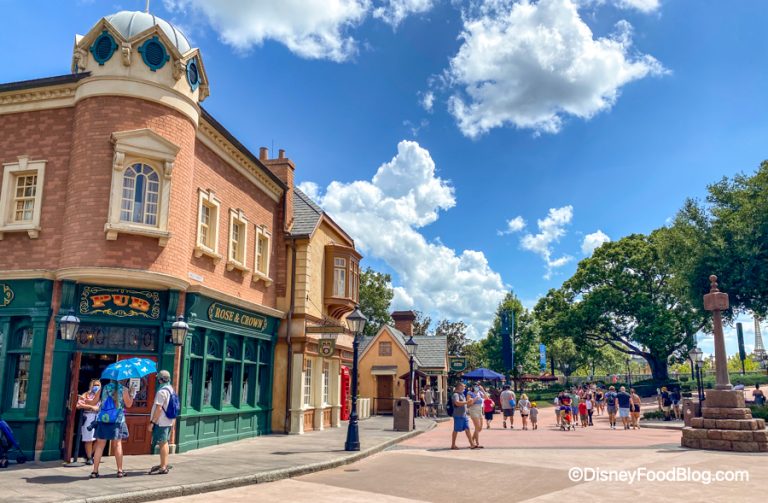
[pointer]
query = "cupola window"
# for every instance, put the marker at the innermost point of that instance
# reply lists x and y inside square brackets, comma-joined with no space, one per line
[193,74]
[154,54]
[103,47]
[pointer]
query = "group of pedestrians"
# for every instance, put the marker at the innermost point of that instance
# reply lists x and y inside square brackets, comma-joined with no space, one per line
[104,420]
[581,404]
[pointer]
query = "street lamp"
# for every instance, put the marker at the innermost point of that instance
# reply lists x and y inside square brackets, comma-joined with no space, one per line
[356,323]
[629,373]
[697,356]
[68,326]
[410,346]
[179,331]
[566,368]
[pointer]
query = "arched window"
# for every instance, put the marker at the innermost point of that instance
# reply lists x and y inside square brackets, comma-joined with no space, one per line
[141,189]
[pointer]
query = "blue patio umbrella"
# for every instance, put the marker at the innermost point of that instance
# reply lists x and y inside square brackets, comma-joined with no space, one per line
[130,368]
[483,374]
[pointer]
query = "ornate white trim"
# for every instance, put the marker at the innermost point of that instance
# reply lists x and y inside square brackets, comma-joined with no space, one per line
[235,301]
[28,274]
[42,98]
[212,139]
[121,277]
[115,85]
[10,171]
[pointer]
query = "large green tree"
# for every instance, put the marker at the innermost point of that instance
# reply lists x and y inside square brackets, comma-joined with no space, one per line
[626,296]
[524,338]
[727,235]
[456,332]
[421,324]
[375,298]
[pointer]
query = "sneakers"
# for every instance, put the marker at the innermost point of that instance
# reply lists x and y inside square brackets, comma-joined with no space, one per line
[89,461]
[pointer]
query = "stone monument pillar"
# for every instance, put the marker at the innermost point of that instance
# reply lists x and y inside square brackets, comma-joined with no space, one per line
[727,423]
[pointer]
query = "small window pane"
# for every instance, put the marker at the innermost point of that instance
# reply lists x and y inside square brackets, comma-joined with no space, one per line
[307,382]
[193,378]
[229,379]
[211,382]
[20,381]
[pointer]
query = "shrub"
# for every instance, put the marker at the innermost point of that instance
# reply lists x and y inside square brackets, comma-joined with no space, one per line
[759,411]
[653,415]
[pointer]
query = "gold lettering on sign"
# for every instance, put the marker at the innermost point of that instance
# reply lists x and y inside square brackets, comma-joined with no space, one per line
[218,312]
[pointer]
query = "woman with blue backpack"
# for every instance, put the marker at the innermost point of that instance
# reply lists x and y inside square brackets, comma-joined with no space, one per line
[115,397]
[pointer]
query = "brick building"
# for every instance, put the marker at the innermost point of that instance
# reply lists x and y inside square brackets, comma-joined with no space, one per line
[124,201]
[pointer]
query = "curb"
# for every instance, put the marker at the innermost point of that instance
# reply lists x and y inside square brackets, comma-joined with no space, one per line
[244,480]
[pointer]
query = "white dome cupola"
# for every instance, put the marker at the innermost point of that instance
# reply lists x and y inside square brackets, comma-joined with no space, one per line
[139,54]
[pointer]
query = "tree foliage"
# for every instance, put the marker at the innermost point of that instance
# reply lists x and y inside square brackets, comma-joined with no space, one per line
[626,296]
[421,324]
[375,299]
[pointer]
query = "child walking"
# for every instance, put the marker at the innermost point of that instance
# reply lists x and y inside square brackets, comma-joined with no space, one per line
[534,416]
[488,407]
[583,414]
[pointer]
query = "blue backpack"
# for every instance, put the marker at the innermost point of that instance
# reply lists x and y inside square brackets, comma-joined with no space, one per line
[110,412]
[174,406]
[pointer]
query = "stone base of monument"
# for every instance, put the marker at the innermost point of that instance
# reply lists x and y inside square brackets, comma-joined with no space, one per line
[726,425]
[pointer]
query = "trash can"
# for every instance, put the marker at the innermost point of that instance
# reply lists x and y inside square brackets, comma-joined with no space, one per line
[403,414]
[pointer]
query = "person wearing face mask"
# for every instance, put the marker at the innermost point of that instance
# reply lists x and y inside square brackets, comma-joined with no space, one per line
[162,416]
[87,433]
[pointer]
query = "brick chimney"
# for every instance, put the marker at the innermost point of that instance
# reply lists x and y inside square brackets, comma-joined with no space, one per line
[283,168]
[404,321]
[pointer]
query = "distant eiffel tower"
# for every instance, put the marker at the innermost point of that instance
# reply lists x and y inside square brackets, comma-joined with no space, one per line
[759,350]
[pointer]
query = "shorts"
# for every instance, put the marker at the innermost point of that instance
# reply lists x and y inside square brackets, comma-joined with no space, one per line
[665,408]
[421,403]
[636,408]
[508,412]
[160,434]
[460,423]
[87,435]
[111,431]
[574,409]
[611,409]
[623,411]
[489,416]
[476,412]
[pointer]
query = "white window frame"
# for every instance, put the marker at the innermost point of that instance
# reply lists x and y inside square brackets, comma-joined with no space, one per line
[258,275]
[141,146]
[340,269]
[11,172]
[208,198]
[307,383]
[237,218]
[326,381]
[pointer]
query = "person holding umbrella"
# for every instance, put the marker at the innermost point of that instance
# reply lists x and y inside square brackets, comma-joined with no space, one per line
[115,397]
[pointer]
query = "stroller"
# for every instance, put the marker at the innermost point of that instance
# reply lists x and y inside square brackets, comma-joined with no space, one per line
[567,421]
[7,443]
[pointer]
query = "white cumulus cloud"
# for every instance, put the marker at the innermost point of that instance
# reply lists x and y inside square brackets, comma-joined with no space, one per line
[314,29]
[644,6]
[393,12]
[551,229]
[593,241]
[384,215]
[514,225]
[530,65]
[428,101]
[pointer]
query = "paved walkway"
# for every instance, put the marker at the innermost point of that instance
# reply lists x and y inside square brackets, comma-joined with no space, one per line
[522,466]
[256,460]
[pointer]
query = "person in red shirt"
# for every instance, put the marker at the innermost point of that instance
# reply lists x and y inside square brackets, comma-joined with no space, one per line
[583,413]
[488,407]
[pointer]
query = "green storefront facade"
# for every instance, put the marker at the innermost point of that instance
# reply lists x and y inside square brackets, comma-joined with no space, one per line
[25,310]
[227,363]
[225,375]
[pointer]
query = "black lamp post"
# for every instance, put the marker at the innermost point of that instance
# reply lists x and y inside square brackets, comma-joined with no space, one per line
[68,326]
[697,356]
[629,373]
[410,346]
[356,322]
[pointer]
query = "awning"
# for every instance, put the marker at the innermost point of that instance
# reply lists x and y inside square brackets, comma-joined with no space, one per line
[417,372]
[384,370]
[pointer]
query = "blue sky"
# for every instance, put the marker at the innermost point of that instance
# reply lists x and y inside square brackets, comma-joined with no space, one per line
[603,115]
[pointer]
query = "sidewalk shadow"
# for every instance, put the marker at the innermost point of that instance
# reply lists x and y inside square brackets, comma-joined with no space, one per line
[53,479]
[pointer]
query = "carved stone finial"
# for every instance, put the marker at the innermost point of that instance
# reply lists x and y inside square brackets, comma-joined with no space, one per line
[713,284]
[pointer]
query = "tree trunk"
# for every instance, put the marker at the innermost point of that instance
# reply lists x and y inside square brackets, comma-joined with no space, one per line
[659,368]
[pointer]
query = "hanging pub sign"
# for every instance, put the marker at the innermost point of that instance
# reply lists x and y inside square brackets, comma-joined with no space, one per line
[240,317]
[326,347]
[120,302]
[6,295]
[457,363]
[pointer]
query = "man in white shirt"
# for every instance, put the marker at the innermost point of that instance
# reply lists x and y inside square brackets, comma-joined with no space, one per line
[159,424]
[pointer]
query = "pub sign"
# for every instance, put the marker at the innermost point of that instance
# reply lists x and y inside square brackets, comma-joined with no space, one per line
[120,302]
